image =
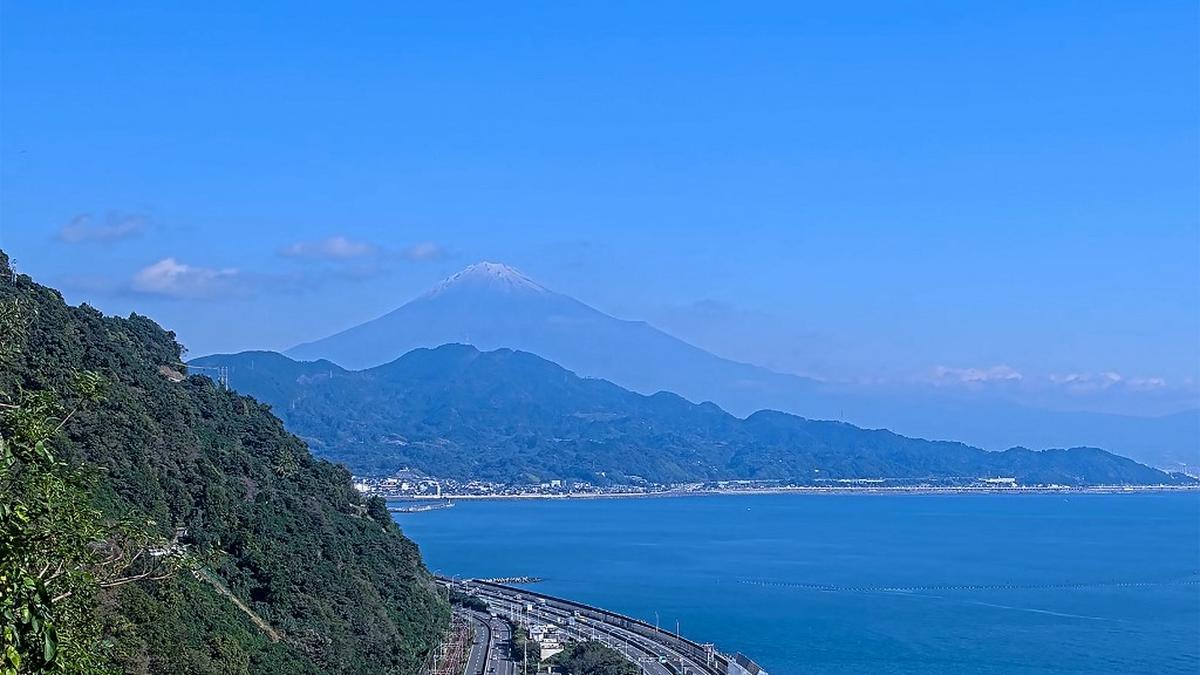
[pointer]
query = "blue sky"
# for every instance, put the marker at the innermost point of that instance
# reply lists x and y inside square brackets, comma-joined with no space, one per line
[943,192]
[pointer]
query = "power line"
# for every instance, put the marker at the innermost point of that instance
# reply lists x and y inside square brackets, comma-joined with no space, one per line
[222,373]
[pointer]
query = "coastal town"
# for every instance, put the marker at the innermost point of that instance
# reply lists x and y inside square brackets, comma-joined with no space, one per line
[410,485]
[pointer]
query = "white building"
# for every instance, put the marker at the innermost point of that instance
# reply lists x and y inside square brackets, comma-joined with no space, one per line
[547,638]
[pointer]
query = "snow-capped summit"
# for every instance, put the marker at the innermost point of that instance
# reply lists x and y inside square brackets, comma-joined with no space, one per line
[490,305]
[489,275]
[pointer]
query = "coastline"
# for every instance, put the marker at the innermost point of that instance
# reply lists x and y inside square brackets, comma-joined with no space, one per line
[863,491]
[1128,559]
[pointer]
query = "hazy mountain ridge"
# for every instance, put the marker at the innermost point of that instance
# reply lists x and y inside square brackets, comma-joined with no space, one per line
[493,306]
[512,416]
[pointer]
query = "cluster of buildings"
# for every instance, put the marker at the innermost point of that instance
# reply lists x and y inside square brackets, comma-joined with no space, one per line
[547,636]
[399,486]
[407,486]
[411,485]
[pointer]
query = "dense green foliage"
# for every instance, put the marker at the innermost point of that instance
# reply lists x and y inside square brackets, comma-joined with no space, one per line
[593,658]
[513,417]
[526,653]
[56,549]
[295,572]
[461,599]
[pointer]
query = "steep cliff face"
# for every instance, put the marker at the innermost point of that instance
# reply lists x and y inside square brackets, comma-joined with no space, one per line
[298,574]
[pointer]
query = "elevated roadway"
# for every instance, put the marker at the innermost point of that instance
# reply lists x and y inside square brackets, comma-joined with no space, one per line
[490,653]
[657,652]
[481,644]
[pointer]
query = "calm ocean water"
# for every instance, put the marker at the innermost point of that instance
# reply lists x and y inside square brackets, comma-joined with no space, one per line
[866,584]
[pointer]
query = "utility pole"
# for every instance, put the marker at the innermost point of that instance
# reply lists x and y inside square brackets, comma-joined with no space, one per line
[222,373]
[524,640]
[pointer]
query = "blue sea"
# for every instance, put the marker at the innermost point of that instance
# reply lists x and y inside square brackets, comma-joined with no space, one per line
[865,583]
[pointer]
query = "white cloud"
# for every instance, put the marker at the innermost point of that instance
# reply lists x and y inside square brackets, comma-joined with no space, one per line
[976,376]
[342,249]
[1147,383]
[330,248]
[172,279]
[1087,383]
[82,228]
[425,251]
[1072,383]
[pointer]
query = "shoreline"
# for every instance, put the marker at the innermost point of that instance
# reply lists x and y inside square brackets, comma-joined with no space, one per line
[862,491]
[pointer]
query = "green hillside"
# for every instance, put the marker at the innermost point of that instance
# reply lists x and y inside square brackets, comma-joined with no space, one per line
[513,417]
[281,566]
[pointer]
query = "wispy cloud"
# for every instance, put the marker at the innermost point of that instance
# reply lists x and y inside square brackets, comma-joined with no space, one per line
[341,249]
[170,278]
[975,376]
[344,261]
[1099,391]
[336,247]
[1087,383]
[426,251]
[84,228]
[1079,383]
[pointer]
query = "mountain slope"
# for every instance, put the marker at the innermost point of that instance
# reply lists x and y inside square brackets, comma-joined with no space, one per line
[492,306]
[281,531]
[512,416]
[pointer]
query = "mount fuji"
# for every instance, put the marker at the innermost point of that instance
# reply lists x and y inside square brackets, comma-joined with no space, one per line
[492,306]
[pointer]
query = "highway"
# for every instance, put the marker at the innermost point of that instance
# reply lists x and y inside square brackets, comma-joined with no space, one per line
[644,652]
[500,662]
[656,652]
[490,649]
[477,661]
[503,663]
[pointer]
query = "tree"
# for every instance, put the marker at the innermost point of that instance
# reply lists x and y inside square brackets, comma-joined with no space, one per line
[526,652]
[57,549]
[593,658]
[300,574]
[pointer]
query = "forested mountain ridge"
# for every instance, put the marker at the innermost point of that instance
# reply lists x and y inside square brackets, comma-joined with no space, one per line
[512,416]
[214,473]
[493,306]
